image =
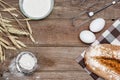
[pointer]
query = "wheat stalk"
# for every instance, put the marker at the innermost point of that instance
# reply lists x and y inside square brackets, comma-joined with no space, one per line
[16,31]
[8,30]
[21,43]
[1,54]
[9,9]
[4,41]
[28,25]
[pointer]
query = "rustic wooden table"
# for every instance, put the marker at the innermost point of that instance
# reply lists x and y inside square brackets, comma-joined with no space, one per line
[58,43]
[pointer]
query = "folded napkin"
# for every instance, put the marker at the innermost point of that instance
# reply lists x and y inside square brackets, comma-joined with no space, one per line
[110,36]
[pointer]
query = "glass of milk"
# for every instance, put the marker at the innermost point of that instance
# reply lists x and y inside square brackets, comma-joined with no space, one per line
[36,9]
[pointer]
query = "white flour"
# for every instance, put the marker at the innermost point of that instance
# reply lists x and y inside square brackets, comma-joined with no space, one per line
[27,62]
[36,8]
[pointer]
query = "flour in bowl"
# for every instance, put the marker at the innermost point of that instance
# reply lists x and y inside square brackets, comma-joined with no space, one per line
[27,62]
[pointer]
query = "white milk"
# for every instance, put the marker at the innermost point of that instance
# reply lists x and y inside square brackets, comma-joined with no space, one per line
[36,8]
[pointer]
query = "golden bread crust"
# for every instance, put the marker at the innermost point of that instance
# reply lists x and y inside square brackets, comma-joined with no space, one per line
[104,60]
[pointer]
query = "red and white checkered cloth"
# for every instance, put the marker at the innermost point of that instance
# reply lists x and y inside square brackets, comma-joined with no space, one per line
[110,36]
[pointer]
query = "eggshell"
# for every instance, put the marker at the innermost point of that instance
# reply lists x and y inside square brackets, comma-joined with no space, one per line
[87,36]
[97,25]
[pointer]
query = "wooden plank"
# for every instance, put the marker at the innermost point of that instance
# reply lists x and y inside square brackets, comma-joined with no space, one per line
[52,58]
[73,75]
[54,63]
[58,32]
[70,8]
[58,43]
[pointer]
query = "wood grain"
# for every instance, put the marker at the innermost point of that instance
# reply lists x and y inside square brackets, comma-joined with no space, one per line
[59,32]
[67,9]
[72,75]
[55,63]
[53,58]
[58,43]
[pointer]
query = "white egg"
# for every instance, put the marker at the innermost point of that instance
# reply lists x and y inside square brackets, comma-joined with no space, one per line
[97,25]
[87,36]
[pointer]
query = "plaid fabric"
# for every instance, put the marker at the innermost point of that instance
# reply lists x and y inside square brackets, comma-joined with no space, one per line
[110,36]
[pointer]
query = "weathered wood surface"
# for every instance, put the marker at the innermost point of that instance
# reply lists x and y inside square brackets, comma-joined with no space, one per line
[58,42]
[55,63]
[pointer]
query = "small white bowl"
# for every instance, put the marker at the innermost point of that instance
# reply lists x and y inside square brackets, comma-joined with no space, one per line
[20,68]
[36,18]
